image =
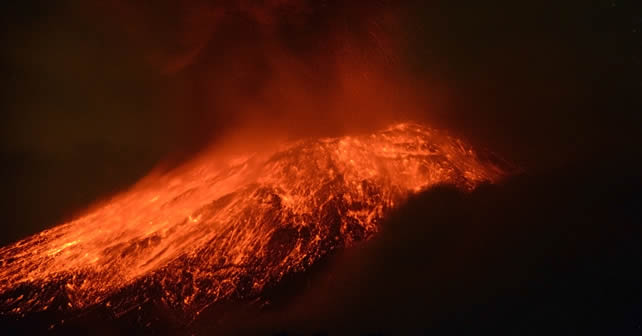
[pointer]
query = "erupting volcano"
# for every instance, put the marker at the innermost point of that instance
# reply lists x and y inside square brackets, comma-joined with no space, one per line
[210,232]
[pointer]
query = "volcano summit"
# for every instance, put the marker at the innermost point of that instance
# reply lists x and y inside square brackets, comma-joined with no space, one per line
[211,232]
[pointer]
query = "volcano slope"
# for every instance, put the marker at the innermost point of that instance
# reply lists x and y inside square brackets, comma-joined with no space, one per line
[209,232]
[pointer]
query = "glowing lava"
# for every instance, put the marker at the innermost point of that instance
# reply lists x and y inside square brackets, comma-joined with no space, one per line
[213,232]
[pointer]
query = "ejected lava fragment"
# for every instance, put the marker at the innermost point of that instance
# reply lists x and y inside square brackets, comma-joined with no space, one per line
[212,231]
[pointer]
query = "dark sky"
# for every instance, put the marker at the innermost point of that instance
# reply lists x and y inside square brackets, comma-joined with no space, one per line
[95,95]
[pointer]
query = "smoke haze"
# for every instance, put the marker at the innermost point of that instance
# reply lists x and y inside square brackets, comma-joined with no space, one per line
[97,95]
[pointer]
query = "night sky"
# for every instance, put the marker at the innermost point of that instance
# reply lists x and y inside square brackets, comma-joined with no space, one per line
[96,95]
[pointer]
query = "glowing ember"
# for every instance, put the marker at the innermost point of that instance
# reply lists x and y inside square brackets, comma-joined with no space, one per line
[208,232]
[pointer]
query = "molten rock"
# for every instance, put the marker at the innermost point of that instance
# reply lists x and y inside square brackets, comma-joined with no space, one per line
[210,233]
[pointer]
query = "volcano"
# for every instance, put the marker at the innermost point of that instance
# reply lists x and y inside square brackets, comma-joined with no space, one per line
[213,232]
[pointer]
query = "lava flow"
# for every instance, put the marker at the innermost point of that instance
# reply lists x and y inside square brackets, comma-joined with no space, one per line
[210,232]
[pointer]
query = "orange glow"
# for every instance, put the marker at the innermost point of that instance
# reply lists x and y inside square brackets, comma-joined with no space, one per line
[209,232]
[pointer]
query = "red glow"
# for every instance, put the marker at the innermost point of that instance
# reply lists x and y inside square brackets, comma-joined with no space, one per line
[208,231]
